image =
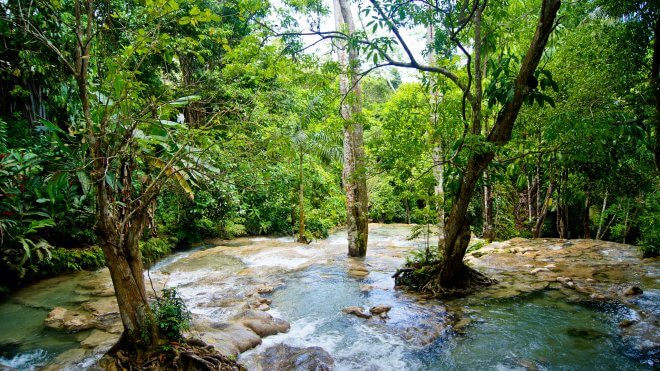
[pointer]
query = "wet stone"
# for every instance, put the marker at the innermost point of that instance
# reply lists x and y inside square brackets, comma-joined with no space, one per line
[632,290]
[285,357]
[380,309]
[356,311]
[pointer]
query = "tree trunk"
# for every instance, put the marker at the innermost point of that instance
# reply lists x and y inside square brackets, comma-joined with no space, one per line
[529,200]
[406,204]
[488,230]
[537,183]
[586,223]
[437,155]
[600,219]
[538,227]
[354,172]
[457,230]
[562,209]
[301,203]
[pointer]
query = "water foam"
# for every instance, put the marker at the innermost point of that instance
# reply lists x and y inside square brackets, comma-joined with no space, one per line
[26,361]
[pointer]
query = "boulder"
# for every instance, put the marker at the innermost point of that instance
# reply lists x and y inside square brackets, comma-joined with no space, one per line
[242,337]
[99,338]
[265,289]
[263,324]
[69,320]
[285,357]
[380,309]
[632,290]
[422,334]
[356,311]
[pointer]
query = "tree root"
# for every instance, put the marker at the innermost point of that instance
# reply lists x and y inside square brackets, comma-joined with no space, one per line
[427,279]
[189,354]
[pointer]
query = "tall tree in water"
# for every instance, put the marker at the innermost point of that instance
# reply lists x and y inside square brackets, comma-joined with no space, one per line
[354,174]
[437,151]
[460,28]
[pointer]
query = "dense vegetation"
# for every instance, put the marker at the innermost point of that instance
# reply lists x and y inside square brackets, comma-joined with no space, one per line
[171,121]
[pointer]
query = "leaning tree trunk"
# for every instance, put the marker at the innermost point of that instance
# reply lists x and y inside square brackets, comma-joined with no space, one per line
[354,172]
[452,272]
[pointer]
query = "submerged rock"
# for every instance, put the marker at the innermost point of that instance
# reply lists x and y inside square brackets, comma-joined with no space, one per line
[285,357]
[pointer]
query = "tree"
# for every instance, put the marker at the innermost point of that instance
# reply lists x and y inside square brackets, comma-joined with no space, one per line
[451,274]
[354,174]
[118,56]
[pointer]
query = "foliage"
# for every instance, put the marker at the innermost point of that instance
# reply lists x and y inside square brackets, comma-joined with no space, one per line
[171,313]
[649,225]
[156,248]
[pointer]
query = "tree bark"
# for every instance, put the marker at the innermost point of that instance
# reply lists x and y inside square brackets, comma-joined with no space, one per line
[457,230]
[354,172]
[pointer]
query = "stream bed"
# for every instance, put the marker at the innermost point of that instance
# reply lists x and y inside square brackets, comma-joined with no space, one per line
[528,321]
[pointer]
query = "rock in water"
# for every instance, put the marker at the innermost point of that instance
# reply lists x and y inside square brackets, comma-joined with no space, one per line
[263,324]
[285,357]
[632,290]
[380,309]
[69,320]
[356,311]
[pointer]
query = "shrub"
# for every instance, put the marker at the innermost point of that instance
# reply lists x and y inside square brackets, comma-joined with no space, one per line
[172,315]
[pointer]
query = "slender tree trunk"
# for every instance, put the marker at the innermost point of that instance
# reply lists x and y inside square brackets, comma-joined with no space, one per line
[437,153]
[354,172]
[452,271]
[537,183]
[301,202]
[625,221]
[562,209]
[601,219]
[586,223]
[538,227]
[529,200]
[406,204]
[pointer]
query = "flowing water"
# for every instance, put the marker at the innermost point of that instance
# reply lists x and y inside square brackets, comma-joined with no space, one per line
[312,285]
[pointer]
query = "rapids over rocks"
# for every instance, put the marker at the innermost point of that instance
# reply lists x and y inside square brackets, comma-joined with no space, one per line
[277,304]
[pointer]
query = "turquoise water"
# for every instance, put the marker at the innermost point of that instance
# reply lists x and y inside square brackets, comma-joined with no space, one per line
[535,332]
[24,341]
